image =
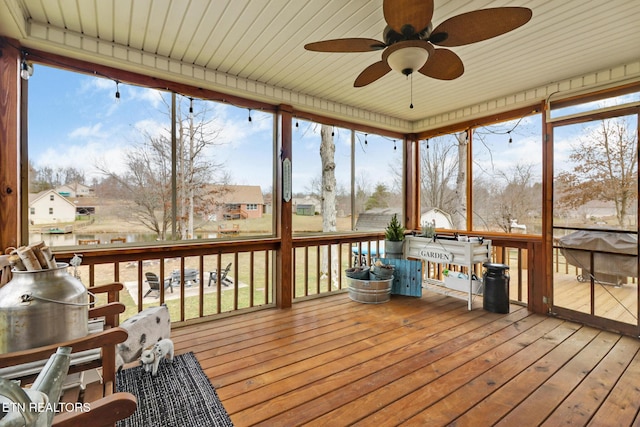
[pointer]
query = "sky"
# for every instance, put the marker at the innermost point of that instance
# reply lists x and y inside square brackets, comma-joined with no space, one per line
[76,121]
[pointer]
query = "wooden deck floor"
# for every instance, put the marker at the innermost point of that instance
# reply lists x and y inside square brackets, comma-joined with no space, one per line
[415,361]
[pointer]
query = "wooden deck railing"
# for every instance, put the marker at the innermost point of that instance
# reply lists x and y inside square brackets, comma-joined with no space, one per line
[249,284]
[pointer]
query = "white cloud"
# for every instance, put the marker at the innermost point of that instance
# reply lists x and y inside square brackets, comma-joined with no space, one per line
[88,132]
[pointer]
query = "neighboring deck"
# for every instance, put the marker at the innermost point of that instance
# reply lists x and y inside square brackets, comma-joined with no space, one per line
[415,361]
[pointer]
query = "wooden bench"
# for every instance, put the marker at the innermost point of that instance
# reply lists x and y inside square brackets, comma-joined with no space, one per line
[88,242]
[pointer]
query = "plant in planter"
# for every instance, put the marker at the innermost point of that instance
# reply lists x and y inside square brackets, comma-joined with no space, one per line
[428,231]
[394,239]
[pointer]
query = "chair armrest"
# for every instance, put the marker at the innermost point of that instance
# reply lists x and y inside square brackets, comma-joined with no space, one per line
[107,338]
[113,295]
[110,312]
[103,412]
[110,287]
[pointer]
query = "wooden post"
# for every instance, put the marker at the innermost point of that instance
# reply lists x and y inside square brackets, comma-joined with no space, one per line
[411,182]
[284,227]
[9,146]
[542,293]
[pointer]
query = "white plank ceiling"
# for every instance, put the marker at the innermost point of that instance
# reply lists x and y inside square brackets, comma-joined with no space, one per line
[255,48]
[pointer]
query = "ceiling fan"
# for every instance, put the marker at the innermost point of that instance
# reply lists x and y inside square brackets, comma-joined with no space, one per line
[409,39]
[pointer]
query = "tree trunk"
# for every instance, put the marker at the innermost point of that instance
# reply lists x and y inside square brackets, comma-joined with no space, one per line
[327,155]
[460,212]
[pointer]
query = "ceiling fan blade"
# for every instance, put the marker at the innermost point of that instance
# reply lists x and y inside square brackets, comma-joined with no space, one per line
[479,25]
[346,45]
[443,64]
[417,13]
[372,73]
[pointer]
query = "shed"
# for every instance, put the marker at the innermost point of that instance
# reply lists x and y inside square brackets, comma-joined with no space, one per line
[305,209]
[376,219]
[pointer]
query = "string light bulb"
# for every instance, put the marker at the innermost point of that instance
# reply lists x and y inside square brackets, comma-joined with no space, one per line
[117,91]
[427,143]
[510,139]
[365,139]
[249,115]
[332,131]
[394,145]
[26,69]
[190,105]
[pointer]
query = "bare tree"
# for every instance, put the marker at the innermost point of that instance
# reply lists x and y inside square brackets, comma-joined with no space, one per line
[514,200]
[606,168]
[362,193]
[439,171]
[47,178]
[147,180]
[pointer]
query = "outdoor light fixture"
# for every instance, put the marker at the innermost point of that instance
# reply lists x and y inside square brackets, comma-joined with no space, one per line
[26,69]
[408,56]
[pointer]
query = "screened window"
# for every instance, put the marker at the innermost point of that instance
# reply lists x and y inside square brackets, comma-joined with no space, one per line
[443,183]
[362,174]
[116,152]
[507,176]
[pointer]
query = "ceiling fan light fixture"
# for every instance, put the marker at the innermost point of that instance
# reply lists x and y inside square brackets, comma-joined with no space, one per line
[408,59]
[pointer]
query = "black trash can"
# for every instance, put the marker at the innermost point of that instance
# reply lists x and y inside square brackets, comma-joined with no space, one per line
[496,288]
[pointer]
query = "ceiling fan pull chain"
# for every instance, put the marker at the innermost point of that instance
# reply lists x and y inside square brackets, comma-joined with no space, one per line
[411,77]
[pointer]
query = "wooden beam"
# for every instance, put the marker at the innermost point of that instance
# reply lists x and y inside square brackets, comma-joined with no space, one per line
[481,121]
[9,144]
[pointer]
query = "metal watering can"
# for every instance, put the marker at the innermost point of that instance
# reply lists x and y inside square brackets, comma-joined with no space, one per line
[35,407]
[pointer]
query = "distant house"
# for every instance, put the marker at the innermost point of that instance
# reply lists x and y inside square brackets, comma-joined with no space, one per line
[234,202]
[75,189]
[597,209]
[49,207]
[437,217]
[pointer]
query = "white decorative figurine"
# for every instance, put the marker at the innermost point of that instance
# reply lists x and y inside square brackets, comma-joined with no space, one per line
[75,263]
[152,356]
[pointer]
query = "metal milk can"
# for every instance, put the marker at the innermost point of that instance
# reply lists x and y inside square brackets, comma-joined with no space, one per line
[42,307]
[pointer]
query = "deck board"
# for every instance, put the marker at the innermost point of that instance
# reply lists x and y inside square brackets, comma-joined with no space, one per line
[414,361]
